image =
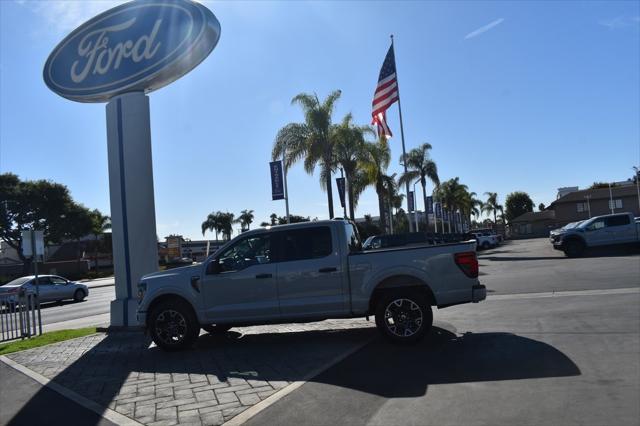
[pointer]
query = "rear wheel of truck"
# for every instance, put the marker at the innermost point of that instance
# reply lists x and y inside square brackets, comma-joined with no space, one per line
[216,329]
[173,325]
[573,248]
[403,317]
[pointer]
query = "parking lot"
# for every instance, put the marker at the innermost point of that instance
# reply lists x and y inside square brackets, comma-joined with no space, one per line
[556,342]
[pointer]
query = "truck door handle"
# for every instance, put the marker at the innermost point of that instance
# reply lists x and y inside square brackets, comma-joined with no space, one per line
[323,270]
[259,276]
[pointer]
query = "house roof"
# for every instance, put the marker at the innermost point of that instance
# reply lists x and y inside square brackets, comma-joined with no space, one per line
[597,194]
[536,216]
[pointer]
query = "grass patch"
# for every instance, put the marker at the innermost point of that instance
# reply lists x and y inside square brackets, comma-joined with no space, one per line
[45,339]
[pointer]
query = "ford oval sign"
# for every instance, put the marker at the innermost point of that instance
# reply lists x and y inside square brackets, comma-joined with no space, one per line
[139,46]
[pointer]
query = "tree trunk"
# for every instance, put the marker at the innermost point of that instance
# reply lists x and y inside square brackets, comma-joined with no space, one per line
[424,196]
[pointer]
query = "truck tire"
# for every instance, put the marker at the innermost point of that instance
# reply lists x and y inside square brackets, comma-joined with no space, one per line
[403,317]
[216,329]
[173,325]
[573,248]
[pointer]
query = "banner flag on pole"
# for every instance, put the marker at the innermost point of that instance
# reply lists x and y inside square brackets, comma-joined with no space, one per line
[438,210]
[430,205]
[411,202]
[277,184]
[340,183]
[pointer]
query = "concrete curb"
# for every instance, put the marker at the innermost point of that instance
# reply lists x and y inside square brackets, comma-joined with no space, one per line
[104,412]
[266,403]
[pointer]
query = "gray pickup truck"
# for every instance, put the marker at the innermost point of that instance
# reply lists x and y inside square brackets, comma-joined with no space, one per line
[307,272]
[611,229]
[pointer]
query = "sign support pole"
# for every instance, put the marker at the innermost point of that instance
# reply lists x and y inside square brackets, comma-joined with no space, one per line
[135,245]
[286,190]
[35,272]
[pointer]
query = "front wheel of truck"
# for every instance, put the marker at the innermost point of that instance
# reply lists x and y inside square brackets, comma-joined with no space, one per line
[173,325]
[403,317]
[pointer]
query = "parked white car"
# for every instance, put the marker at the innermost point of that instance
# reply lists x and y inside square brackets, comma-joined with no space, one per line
[485,240]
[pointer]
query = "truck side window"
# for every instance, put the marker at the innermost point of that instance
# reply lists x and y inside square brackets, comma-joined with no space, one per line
[617,220]
[353,239]
[598,224]
[255,250]
[306,243]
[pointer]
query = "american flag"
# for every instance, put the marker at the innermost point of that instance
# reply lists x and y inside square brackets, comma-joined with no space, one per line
[386,93]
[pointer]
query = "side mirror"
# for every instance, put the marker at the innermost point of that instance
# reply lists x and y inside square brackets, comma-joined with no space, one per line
[213,267]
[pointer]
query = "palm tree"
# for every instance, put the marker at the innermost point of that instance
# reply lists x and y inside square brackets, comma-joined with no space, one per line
[274,219]
[99,224]
[470,205]
[492,205]
[226,221]
[451,194]
[212,223]
[245,219]
[349,149]
[311,140]
[374,166]
[421,167]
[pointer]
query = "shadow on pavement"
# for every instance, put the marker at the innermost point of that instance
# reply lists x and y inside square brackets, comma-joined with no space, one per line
[122,363]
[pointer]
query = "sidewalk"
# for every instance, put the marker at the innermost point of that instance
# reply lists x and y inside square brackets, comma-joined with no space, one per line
[222,377]
[46,405]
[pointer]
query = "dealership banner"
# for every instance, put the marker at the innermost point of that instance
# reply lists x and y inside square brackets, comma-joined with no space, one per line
[277,185]
[438,210]
[340,183]
[430,204]
[411,201]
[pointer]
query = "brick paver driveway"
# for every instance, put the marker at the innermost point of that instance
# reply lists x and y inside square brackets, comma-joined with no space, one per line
[210,384]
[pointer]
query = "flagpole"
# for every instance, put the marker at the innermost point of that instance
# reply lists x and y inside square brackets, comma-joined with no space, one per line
[404,153]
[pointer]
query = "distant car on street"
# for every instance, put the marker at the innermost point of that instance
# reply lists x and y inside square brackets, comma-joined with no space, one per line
[51,288]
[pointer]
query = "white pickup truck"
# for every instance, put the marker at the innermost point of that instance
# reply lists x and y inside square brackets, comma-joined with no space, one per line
[607,230]
[307,272]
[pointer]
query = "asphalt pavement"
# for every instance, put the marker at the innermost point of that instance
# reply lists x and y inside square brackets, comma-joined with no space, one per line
[94,310]
[540,358]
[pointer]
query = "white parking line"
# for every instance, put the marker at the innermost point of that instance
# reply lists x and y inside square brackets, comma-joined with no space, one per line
[628,290]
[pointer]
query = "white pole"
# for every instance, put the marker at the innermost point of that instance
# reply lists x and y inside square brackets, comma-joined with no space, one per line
[404,153]
[415,206]
[286,191]
[588,205]
[610,199]
[35,272]
[637,177]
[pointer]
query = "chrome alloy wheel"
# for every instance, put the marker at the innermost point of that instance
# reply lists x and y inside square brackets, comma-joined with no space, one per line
[403,317]
[171,326]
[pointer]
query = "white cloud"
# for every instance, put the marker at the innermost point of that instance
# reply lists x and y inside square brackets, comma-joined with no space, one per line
[484,29]
[620,22]
[62,16]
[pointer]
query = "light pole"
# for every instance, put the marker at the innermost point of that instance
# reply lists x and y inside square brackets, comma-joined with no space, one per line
[415,206]
[637,178]
[588,205]
[611,206]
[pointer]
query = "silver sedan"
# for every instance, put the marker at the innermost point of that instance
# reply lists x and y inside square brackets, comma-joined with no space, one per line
[51,288]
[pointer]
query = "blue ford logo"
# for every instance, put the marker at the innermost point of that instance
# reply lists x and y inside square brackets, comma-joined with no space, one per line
[139,46]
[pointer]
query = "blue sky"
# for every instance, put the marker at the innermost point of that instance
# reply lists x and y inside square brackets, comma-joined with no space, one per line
[527,96]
